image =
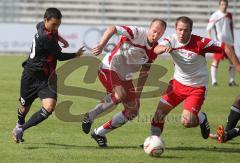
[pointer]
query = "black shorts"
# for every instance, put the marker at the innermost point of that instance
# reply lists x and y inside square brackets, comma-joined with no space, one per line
[34,85]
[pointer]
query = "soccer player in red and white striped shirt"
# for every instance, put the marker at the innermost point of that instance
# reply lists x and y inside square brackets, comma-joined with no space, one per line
[190,79]
[221,22]
[133,52]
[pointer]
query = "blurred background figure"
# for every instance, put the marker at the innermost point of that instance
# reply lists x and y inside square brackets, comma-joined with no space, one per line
[221,23]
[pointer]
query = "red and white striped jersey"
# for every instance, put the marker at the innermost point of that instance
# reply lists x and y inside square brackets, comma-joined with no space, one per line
[189,58]
[222,23]
[131,52]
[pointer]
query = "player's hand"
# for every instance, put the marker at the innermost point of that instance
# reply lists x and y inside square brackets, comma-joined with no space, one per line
[64,42]
[80,51]
[168,49]
[162,49]
[97,50]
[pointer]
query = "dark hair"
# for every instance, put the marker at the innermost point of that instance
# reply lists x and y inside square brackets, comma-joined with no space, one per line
[223,1]
[161,21]
[185,20]
[52,13]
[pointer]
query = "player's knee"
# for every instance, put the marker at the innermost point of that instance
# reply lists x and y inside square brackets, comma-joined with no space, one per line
[188,120]
[49,107]
[49,104]
[120,93]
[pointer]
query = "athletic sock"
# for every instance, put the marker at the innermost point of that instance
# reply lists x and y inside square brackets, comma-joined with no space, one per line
[21,117]
[201,117]
[233,118]
[214,73]
[233,133]
[107,102]
[157,127]
[36,118]
[118,120]
[231,73]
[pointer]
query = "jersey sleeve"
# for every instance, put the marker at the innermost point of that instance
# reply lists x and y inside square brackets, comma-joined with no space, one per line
[131,32]
[210,46]
[211,22]
[166,42]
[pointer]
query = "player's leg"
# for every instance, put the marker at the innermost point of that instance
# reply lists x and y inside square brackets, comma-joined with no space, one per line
[169,100]
[190,119]
[157,123]
[119,119]
[232,120]
[214,68]
[232,82]
[22,111]
[108,79]
[224,136]
[230,130]
[47,92]
[234,115]
[131,107]
[48,95]
[28,93]
[191,115]
[48,105]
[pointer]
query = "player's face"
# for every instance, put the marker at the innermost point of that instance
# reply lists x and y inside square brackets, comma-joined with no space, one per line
[223,6]
[155,32]
[52,24]
[183,32]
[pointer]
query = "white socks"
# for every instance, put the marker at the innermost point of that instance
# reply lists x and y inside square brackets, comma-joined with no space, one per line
[231,73]
[214,73]
[105,105]
[201,117]
[118,120]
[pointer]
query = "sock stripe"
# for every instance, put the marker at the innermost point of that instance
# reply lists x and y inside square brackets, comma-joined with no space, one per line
[235,109]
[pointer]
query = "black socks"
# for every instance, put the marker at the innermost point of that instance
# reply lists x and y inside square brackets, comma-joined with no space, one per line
[233,118]
[21,117]
[36,118]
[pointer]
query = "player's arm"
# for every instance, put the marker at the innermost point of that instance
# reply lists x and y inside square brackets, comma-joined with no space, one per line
[66,56]
[160,49]
[231,26]
[232,56]
[209,33]
[143,75]
[63,41]
[210,25]
[164,46]
[110,31]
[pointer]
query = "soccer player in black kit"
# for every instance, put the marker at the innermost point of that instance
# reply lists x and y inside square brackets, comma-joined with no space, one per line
[38,77]
[231,130]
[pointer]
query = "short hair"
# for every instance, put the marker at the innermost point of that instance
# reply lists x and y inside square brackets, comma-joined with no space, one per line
[226,1]
[52,13]
[185,20]
[161,21]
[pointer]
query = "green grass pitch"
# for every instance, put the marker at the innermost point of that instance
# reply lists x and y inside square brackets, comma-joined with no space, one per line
[57,141]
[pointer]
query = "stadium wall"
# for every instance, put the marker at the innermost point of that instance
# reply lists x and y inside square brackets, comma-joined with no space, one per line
[17,38]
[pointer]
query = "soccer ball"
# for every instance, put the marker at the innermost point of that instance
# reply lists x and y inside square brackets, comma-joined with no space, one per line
[154,146]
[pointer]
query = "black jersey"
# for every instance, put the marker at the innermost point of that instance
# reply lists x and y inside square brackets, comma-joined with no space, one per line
[45,52]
